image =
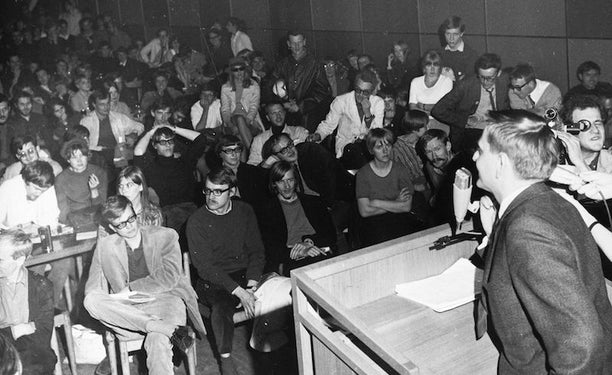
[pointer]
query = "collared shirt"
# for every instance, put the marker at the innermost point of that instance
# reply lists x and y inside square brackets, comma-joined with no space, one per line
[503,206]
[16,209]
[14,308]
[536,94]
[213,119]
[459,48]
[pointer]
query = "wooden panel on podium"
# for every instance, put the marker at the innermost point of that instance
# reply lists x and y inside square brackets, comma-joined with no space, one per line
[379,332]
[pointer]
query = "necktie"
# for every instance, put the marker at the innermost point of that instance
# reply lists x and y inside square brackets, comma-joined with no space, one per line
[531,102]
[491,99]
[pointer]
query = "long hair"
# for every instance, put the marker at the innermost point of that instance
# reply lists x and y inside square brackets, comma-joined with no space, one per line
[246,81]
[150,212]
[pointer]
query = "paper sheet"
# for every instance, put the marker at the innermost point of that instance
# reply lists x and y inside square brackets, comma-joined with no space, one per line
[454,287]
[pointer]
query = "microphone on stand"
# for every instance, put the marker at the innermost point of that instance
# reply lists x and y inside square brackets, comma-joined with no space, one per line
[462,192]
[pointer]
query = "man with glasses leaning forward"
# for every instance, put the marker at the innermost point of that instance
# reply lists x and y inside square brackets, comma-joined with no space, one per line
[532,94]
[141,265]
[228,254]
[466,106]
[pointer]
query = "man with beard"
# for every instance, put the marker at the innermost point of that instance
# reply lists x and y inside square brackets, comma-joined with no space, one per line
[440,168]
[275,113]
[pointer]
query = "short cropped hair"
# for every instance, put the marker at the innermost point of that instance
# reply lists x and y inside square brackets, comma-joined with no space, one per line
[574,102]
[586,66]
[114,207]
[39,173]
[77,131]
[488,61]
[527,140]
[73,145]
[3,98]
[524,71]
[97,95]
[227,140]
[413,121]
[161,103]
[18,241]
[378,134]
[222,176]
[367,76]
[453,22]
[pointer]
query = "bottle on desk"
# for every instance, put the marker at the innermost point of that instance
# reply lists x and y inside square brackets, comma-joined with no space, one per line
[46,241]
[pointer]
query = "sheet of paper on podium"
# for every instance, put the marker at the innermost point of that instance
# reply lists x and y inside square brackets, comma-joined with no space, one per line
[456,286]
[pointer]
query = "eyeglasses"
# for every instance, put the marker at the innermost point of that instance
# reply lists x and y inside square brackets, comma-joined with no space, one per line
[487,79]
[285,150]
[362,92]
[214,192]
[238,69]
[124,224]
[24,153]
[519,87]
[232,151]
[165,142]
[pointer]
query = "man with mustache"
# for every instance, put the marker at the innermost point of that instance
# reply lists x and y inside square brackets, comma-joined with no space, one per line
[440,166]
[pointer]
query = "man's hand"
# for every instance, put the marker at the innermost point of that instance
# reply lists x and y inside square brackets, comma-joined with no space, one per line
[488,213]
[572,145]
[93,182]
[566,175]
[313,138]
[269,162]
[291,106]
[365,104]
[597,184]
[247,299]
[302,250]
[390,59]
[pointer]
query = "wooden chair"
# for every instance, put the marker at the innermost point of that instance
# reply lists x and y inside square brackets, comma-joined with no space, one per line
[131,345]
[63,320]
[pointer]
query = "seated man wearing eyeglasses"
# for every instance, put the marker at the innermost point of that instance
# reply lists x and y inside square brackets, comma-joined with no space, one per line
[169,173]
[353,113]
[137,287]
[466,106]
[228,254]
[532,94]
[26,150]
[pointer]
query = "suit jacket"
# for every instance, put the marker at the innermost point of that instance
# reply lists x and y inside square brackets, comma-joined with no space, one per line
[162,253]
[273,227]
[35,349]
[462,101]
[344,115]
[544,290]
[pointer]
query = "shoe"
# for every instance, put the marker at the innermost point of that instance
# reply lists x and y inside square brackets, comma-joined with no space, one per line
[103,368]
[181,339]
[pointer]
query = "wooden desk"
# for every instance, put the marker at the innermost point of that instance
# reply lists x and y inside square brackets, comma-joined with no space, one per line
[382,333]
[64,248]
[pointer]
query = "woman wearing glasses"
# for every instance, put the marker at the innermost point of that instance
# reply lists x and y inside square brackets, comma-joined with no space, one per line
[240,104]
[250,180]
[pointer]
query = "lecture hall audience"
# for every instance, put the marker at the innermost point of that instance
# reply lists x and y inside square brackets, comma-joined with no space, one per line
[89,110]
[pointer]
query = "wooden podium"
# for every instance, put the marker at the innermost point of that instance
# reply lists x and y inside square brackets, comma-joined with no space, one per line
[382,333]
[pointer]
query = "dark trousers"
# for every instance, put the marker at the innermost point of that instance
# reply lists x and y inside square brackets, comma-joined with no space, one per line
[222,306]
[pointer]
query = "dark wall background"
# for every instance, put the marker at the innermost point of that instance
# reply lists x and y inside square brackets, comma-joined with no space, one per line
[554,35]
